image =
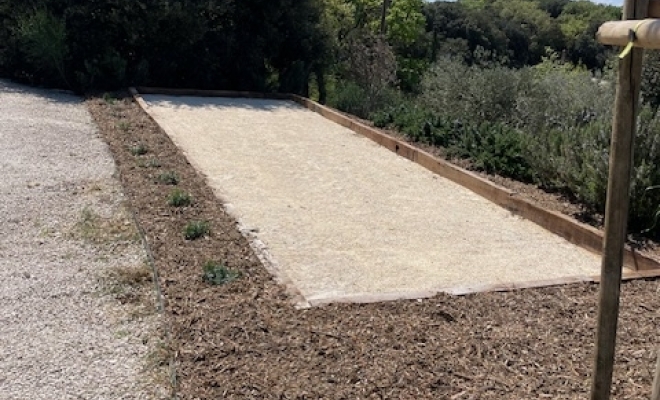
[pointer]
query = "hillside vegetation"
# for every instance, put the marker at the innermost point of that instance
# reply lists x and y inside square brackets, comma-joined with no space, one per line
[518,87]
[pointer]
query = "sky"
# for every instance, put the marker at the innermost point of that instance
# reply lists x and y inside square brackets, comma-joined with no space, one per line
[612,2]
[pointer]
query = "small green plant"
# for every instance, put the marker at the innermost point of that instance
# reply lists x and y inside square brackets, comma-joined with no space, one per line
[218,274]
[178,198]
[88,223]
[196,229]
[152,163]
[129,284]
[124,126]
[109,98]
[168,178]
[139,149]
[381,119]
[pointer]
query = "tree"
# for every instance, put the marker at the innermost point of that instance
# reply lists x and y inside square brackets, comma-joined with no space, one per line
[230,44]
[303,47]
[371,64]
[553,7]
[405,22]
[42,39]
[459,31]
[537,24]
[579,22]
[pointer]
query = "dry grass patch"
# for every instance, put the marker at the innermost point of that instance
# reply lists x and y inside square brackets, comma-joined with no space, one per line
[97,229]
[133,287]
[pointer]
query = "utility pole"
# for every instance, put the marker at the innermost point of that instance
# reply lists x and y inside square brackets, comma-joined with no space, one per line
[616,211]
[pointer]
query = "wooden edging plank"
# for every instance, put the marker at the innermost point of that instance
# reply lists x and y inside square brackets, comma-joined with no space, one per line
[575,232]
[471,289]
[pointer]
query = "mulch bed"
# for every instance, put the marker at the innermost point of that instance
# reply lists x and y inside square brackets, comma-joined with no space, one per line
[245,340]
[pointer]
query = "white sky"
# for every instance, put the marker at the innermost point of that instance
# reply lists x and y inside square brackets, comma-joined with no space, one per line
[612,2]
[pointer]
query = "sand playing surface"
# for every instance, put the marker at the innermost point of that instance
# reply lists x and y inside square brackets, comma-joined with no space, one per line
[343,217]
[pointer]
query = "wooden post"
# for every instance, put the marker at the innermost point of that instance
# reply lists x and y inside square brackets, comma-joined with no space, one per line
[616,211]
[654,9]
[655,395]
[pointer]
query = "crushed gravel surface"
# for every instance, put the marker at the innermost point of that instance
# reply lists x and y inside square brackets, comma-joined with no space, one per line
[342,216]
[245,340]
[64,234]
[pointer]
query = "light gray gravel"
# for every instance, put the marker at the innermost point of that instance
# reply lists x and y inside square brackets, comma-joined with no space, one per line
[344,217]
[63,335]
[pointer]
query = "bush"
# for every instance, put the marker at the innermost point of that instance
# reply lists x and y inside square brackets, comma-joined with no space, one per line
[492,147]
[106,71]
[169,178]
[350,98]
[495,148]
[566,115]
[207,45]
[43,41]
[196,229]
[218,274]
[139,149]
[645,197]
[178,198]
[470,93]
[551,124]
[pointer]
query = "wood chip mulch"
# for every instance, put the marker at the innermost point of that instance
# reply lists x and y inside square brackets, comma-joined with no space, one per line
[245,340]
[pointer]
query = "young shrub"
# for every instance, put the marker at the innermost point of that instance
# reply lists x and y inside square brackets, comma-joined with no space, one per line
[179,198]
[139,149]
[498,149]
[350,98]
[109,98]
[645,195]
[218,274]
[124,126]
[168,178]
[196,229]
[381,119]
[471,93]
[152,163]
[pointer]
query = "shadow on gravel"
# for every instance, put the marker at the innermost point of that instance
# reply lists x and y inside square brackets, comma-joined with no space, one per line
[51,95]
[221,102]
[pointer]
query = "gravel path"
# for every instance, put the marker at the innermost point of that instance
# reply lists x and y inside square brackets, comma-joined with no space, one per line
[344,217]
[64,231]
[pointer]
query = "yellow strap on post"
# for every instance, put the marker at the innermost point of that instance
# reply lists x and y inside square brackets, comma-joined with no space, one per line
[632,36]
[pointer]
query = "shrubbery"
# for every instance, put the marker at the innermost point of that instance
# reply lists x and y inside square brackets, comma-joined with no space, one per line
[456,90]
[101,44]
[550,124]
[491,146]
